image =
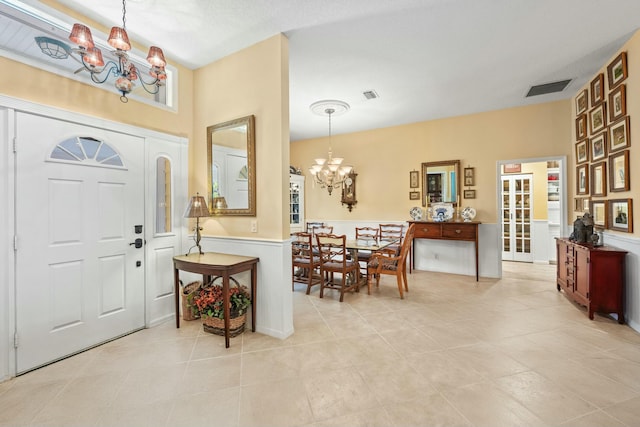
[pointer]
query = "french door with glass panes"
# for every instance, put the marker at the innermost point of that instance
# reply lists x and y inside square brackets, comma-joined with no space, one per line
[517,211]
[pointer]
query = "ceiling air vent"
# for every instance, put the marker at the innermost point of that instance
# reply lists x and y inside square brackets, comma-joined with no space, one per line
[370,94]
[548,88]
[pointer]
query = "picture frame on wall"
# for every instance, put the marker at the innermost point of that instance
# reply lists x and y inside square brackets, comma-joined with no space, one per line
[598,210]
[617,70]
[469,177]
[469,194]
[582,151]
[619,135]
[597,118]
[621,215]
[581,204]
[582,179]
[598,179]
[414,195]
[619,171]
[599,146]
[577,204]
[414,179]
[582,102]
[617,103]
[597,90]
[581,127]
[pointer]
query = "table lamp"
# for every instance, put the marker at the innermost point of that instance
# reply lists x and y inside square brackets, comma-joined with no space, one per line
[197,208]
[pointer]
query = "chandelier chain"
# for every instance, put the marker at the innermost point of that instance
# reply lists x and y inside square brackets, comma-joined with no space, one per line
[124,14]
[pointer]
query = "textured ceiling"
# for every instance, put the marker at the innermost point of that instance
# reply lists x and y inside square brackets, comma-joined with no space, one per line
[426,59]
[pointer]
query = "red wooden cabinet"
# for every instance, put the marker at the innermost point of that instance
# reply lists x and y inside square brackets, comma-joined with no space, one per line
[592,276]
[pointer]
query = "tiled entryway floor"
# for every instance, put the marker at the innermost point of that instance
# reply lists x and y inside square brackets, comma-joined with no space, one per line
[508,352]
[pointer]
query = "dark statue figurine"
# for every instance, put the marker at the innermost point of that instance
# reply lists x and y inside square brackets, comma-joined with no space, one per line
[583,230]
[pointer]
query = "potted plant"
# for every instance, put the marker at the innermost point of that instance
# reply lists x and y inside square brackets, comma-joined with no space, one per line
[209,303]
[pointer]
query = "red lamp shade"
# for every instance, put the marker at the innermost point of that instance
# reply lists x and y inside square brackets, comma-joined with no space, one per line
[81,35]
[156,57]
[119,39]
[93,57]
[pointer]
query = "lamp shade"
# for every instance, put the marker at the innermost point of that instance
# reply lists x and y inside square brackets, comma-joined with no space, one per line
[119,39]
[156,57]
[81,35]
[197,207]
[93,57]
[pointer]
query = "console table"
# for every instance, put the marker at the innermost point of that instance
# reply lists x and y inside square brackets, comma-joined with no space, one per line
[466,231]
[212,264]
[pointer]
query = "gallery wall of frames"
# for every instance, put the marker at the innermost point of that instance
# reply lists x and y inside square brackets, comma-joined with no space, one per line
[602,149]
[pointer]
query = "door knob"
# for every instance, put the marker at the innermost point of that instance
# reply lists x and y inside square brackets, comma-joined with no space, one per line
[137,243]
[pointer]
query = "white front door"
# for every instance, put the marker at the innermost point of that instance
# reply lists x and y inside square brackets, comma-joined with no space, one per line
[79,278]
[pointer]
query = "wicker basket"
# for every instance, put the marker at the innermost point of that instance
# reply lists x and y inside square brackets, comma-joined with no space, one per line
[215,325]
[189,310]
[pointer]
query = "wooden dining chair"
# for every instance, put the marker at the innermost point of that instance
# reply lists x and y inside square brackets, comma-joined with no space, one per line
[365,236]
[312,225]
[385,263]
[305,261]
[334,259]
[391,233]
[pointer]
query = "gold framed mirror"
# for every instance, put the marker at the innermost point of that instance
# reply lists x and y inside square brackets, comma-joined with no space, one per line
[231,167]
[441,182]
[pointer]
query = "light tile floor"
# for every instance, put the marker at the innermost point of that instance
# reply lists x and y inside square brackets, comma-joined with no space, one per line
[453,352]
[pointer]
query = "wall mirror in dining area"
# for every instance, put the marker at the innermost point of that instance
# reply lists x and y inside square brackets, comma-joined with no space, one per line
[231,167]
[441,182]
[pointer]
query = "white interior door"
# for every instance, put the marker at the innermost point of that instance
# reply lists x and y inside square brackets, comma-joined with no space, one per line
[166,193]
[517,213]
[79,281]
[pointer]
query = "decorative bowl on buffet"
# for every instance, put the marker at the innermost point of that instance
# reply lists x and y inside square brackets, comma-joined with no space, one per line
[441,212]
[468,214]
[416,213]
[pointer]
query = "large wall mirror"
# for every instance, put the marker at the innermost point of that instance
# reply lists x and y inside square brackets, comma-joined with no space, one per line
[441,182]
[231,164]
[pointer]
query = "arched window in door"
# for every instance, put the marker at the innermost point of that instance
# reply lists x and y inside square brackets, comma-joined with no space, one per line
[87,151]
[163,195]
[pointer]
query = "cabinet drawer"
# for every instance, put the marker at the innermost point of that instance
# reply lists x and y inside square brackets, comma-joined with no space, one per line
[427,231]
[459,231]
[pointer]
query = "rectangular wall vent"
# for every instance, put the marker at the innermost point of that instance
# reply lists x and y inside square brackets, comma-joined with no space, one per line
[548,88]
[370,94]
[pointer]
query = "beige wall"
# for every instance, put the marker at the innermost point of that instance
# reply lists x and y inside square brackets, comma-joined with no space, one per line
[252,81]
[383,157]
[632,47]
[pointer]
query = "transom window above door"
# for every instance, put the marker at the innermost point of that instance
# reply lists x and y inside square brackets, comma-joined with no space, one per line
[87,151]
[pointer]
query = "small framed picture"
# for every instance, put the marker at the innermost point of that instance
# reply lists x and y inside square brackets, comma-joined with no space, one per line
[621,215]
[619,171]
[597,90]
[617,103]
[582,151]
[619,135]
[469,194]
[414,179]
[577,204]
[598,178]
[581,102]
[414,195]
[598,210]
[582,179]
[586,202]
[513,168]
[599,146]
[617,70]
[469,177]
[581,127]
[597,118]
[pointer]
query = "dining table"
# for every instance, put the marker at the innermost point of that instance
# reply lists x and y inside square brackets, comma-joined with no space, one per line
[373,245]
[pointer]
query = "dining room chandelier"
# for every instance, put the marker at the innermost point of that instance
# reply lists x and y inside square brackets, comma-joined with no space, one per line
[125,72]
[329,172]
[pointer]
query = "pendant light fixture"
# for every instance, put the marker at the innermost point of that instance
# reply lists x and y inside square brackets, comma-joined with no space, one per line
[329,172]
